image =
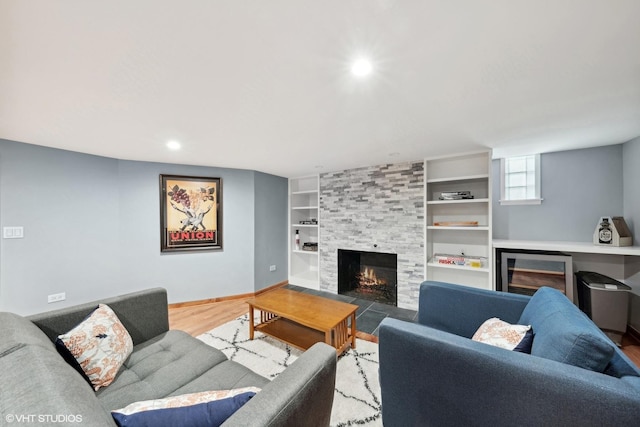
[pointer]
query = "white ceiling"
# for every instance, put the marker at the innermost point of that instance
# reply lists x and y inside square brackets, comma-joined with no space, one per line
[265,85]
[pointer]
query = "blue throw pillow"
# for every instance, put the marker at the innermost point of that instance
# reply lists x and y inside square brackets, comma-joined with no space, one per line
[524,346]
[564,333]
[206,409]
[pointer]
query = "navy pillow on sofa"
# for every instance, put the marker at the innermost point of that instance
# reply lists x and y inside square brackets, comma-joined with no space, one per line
[564,333]
[204,409]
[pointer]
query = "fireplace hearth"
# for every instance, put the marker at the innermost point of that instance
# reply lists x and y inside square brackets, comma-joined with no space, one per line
[368,275]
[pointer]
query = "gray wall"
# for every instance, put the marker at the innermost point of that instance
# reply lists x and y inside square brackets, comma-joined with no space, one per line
[631,164]
[631,191]
[271,198]
[578,187]
[187,276]
[92,229]
[68,204]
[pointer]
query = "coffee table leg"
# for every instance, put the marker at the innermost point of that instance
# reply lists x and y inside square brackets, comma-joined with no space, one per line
[327,338]
[353,330]
[251,322]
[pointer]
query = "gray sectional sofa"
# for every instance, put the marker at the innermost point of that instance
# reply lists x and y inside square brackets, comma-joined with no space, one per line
[37,381]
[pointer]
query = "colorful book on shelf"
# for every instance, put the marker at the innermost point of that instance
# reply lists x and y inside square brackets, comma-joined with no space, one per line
[448,259]
[462,260]
[475,262]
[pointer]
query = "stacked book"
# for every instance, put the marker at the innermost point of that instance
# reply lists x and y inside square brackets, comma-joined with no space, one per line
[463,260]
[455,195]
[310,246]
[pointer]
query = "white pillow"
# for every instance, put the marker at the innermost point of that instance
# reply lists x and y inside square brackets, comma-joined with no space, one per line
[100,344]
[505,335]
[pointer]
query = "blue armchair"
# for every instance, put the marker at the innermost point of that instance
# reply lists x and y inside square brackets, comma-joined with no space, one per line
[433,374]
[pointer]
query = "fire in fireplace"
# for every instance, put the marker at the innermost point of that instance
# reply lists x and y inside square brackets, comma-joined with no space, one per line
[368,275]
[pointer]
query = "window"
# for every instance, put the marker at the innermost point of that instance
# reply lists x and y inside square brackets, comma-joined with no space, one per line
[520,180]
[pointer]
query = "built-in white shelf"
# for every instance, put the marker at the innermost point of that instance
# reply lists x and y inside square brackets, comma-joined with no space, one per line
[304,252]
[304,201]
[459,267]
[458,178]
[307,279]
[446,227]
[466,172]
[457,202]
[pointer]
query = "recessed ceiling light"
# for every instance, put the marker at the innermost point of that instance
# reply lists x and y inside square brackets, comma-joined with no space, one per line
[361,67]
[173,145]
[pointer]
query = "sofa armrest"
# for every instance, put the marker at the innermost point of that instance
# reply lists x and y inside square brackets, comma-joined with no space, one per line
[461,310]
[302,395]
[144,314]
[430,377]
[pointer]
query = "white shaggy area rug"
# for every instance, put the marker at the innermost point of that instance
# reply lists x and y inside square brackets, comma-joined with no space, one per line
[357,398]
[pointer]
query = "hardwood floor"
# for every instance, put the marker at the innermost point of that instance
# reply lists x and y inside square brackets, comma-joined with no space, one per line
[631,348]
[198,319]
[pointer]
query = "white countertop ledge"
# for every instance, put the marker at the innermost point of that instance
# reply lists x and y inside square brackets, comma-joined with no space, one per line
[583,247]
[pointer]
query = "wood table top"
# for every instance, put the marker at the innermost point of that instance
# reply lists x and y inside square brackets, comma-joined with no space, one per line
[310,310]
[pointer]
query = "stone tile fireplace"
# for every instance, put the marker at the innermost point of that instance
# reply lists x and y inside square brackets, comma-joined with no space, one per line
[376,209]
[368,275]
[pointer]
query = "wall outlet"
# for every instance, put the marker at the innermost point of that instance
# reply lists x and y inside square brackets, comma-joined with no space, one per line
[56,297]
[272,268]
[13,232]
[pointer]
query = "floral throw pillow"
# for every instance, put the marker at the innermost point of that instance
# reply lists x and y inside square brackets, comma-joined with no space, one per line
[505,335]
[99,345]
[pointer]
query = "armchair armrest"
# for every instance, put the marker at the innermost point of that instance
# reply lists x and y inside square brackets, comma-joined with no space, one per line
[302,395]
[461,310]
[144,314]
[430,377]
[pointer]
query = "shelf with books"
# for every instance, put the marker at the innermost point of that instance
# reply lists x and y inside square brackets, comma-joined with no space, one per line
[303,216]
[458,217]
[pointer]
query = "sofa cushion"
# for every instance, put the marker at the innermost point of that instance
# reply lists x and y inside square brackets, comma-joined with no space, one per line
[501,334]
[174,363]
[39,382]
[99,344]
[204,409]
[565,334]
[18,331]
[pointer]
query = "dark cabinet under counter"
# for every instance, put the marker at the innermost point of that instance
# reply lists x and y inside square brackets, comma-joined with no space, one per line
[525,271]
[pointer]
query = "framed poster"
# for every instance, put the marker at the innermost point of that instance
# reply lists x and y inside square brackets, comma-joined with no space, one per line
[190,213]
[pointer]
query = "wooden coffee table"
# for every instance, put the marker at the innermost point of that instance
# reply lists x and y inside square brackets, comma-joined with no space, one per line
[302,320]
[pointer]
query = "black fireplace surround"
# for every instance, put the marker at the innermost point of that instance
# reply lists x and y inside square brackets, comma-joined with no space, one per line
[368,275]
